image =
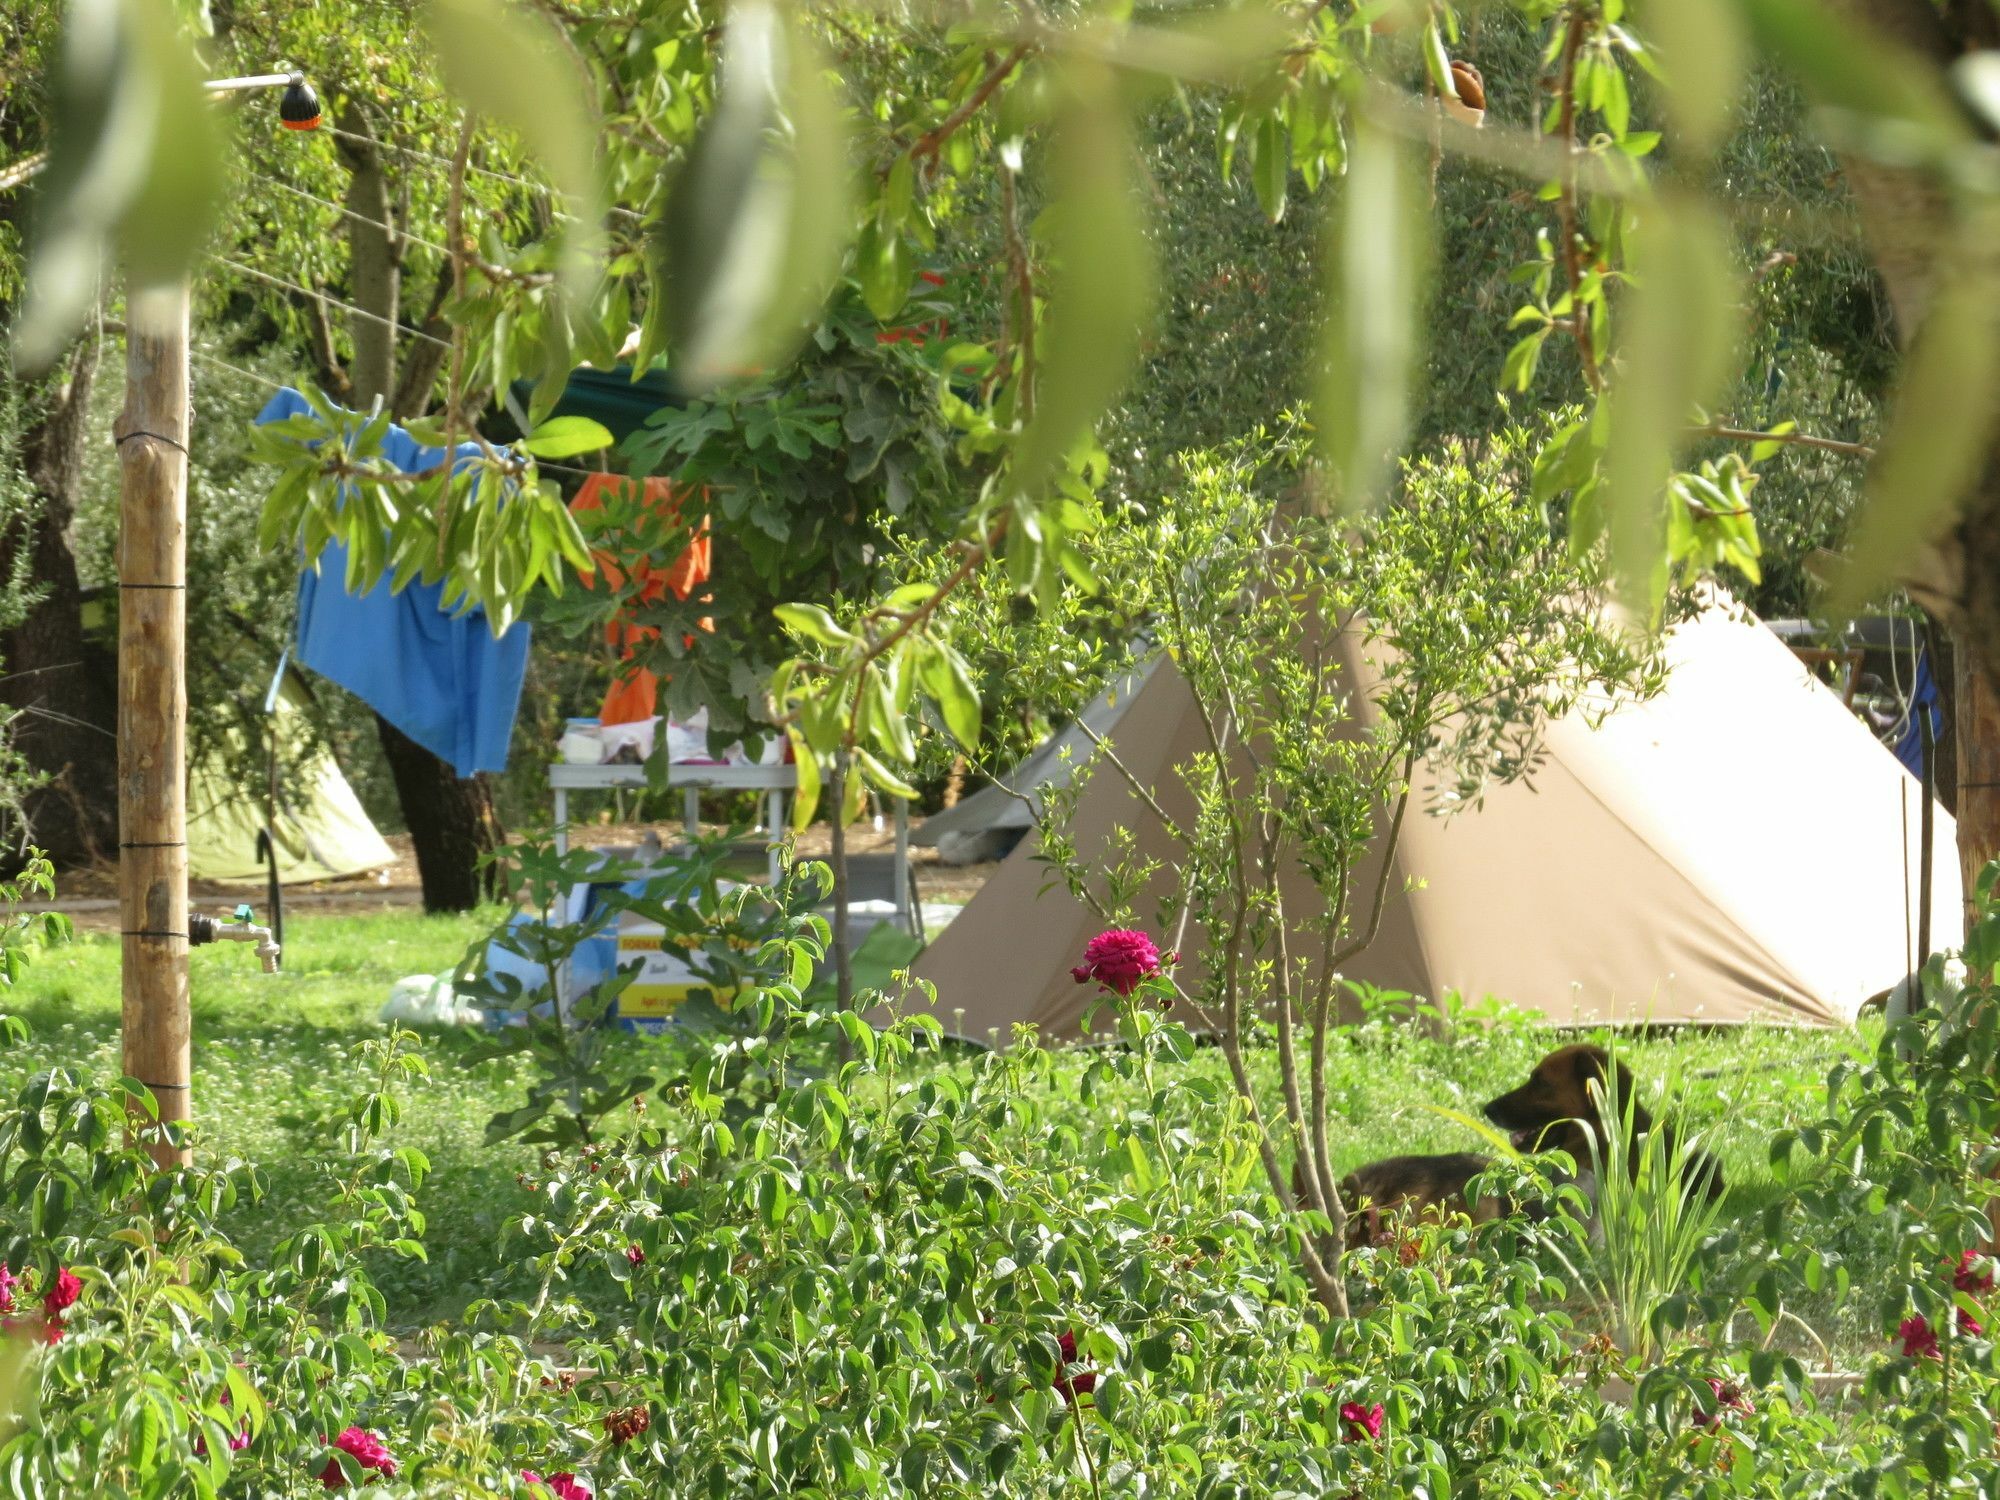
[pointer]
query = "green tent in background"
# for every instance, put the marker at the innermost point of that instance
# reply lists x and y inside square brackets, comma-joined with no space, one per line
[611,397]
[321,832]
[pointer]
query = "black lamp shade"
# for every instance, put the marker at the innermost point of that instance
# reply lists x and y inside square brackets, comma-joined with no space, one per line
[299,109]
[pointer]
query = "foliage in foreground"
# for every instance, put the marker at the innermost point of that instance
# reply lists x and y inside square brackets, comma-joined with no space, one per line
[793,1274]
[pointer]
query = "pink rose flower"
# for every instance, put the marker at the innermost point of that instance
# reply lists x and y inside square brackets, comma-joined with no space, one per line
[564,1486]
[238,1441]
[1919,1339]
[1361,1420]
[8,1281]
[1118,959]
[366,1449]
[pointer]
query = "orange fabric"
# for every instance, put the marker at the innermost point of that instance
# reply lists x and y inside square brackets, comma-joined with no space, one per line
[635,694]
[632,699]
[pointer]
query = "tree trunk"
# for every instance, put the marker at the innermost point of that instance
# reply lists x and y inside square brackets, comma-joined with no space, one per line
[375,272]
[452,823]
[1905,216]
[61,684]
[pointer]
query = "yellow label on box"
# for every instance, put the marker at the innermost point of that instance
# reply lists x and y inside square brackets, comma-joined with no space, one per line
[665,977]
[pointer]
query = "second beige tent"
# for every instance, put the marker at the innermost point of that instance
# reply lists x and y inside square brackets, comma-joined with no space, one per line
[1738,848]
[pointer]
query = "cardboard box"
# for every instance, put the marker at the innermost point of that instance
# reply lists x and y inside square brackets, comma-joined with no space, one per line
[664,980]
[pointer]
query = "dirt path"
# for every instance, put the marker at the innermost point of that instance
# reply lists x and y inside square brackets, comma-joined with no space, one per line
[90,895]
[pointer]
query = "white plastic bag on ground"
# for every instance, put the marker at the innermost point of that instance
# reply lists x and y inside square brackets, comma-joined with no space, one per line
[426,1000]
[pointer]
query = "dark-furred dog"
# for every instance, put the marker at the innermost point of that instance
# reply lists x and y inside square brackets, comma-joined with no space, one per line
[1557,1109]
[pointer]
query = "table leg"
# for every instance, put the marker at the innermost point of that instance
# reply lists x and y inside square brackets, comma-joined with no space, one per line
[562,820]
[691,812]
[901,870]
[774,820]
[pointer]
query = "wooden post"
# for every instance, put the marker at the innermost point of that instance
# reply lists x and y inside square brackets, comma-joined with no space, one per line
[152,437]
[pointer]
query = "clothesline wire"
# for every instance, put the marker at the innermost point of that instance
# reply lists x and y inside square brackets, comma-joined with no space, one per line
[266,381]
[271,383]
[346,212]
[327,300]
[416,154]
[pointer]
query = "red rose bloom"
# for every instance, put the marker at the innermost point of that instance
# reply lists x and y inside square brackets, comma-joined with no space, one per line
[1118,959]
[1919,1339]
[61,1295]
[1083,1382]
[1361,1421]
[635,1255]
[1968,1325]
[1974,1273]
[366,1449]
[564,1486]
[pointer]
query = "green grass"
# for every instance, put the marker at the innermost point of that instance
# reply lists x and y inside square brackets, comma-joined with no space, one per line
[273,1055]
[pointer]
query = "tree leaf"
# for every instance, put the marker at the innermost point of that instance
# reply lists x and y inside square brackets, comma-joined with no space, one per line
[1681,343]
[1270,172]
[1855,68]
[505,61]
[1378,264]
[134,157]
[167,221]
[1437,62]
[1102,286]
[759,214]
[885,270]
[1702,45]
[1936,439]
[565,437]
[805,801]
[956,694]
[814,623]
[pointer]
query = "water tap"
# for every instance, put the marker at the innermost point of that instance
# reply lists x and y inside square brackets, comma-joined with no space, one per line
[207,929]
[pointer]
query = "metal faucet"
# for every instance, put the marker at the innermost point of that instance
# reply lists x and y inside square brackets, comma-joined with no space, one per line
[207,929]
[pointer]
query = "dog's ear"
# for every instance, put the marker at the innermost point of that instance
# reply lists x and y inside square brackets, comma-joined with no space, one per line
[1587,1063]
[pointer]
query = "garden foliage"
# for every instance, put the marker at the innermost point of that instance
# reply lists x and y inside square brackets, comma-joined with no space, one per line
[906,1274]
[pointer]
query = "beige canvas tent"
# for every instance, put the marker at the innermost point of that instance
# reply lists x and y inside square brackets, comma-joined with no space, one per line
[322,832]
[1738,848]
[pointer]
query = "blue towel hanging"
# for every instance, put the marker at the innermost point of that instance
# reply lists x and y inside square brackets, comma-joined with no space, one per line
[447,682]
[1923,700]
